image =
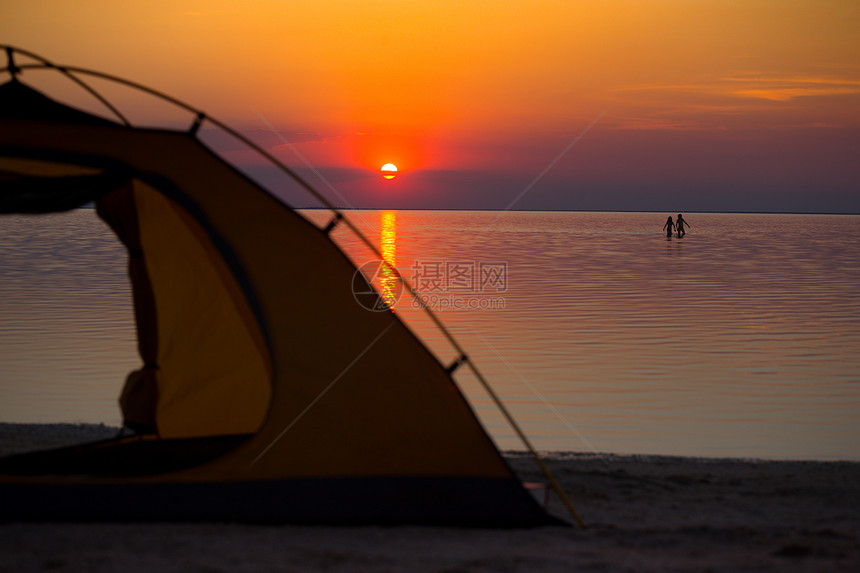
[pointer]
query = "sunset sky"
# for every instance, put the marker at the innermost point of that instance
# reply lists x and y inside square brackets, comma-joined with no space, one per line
[687,105]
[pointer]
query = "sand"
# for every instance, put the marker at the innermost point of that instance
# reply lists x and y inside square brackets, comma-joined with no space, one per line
[644,513]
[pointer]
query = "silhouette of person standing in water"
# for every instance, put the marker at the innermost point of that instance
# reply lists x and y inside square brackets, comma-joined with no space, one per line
[669,226]
[680,226]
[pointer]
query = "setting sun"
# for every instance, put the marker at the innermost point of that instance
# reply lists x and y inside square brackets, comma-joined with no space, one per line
[473,101]
[389,170]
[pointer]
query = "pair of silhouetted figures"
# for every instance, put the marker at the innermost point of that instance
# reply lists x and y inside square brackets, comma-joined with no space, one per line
[675,225]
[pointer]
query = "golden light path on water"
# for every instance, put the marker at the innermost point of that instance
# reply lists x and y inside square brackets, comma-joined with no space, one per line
[388,249]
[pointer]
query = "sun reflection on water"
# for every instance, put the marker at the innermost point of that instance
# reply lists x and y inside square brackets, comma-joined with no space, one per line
[387,247]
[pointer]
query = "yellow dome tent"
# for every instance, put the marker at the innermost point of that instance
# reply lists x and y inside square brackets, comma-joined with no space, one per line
[266,393]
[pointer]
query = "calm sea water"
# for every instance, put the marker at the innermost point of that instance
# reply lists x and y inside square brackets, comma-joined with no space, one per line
[598,332]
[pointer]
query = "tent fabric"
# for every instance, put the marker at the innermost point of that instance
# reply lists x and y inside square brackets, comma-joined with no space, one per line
[139,397]
[207,316]
[20,101]
[247,326]
[213,369]
[52,194]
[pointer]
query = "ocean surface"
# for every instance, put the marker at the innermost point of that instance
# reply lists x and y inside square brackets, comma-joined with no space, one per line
[599,333]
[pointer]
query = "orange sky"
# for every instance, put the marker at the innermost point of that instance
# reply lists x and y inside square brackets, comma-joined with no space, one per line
[733,94]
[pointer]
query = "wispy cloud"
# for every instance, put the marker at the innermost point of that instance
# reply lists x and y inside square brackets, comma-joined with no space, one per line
[648,123]
[774,88]
[694,105]
[788,94]
[789,88]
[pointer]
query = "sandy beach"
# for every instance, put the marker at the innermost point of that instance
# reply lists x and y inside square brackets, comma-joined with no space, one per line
[644,513]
